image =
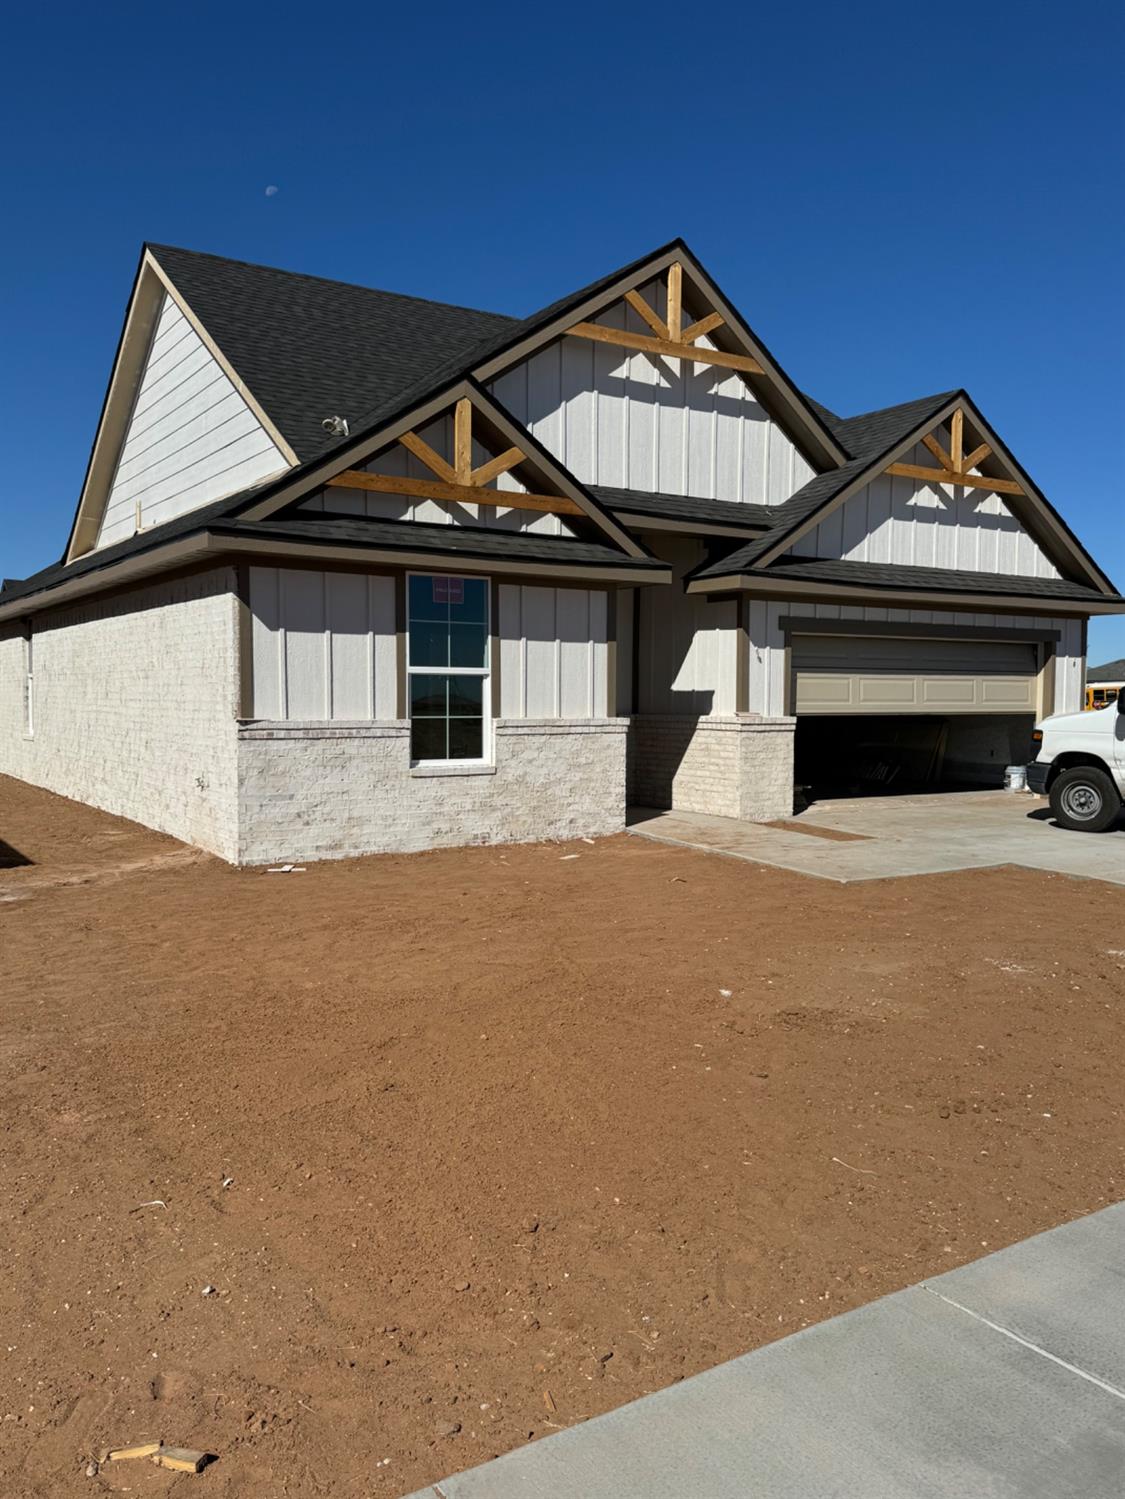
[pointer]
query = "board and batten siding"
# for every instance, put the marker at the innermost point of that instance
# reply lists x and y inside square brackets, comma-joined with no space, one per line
[396,462]
[688,645]
[553,652]
[900,520]
[191,437]
[768,660]
[324,648]
[323,645]
[638,421]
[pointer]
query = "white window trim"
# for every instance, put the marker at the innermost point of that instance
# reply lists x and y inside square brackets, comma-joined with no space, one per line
[28,686]
[485,759]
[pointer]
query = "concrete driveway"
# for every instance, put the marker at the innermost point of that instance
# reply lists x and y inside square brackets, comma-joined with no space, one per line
[1002,1380]
[878,838]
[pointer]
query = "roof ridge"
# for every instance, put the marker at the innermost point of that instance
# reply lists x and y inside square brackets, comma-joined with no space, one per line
[277,270]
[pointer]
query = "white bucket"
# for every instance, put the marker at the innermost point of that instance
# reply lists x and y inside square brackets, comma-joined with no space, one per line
[1015,778]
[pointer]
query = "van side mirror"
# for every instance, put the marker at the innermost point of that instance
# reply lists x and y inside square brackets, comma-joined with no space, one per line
[1121,705]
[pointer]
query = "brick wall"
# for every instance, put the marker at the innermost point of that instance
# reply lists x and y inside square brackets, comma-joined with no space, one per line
[316,791]
[737,765]
[134,707]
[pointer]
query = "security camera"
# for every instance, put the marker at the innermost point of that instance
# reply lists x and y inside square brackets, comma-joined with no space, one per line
[337,425]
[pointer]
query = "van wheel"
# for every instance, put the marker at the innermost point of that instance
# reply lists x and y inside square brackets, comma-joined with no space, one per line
[1084,799]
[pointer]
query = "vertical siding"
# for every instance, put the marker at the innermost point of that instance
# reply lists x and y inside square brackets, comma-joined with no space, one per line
[688,647]
[900,520]
[553,652]
[631,421]
[323,644]
[191,438]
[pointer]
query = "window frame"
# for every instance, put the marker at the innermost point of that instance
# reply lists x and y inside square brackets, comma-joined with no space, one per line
[483,673]
[28,684]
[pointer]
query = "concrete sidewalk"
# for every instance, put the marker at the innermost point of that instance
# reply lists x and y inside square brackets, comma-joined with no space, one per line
[1001,1380]
[901,835]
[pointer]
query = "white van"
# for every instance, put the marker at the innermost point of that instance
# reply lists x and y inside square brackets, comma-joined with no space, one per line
[1081,766]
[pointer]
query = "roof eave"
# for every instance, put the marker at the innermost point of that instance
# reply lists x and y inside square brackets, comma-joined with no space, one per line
[770,585]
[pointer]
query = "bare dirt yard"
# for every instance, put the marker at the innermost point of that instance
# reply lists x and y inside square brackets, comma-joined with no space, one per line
[359,1176]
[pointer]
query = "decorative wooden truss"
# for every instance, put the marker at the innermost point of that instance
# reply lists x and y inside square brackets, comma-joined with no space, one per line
[458,480]
[955,464]
[669,339]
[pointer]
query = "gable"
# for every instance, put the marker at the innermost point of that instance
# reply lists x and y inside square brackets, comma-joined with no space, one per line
[634,420]
[460,460]
[191,437]
[909,521]
[399,463]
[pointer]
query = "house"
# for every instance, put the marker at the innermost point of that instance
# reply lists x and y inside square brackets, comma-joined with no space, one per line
[352,571]
[1104,683]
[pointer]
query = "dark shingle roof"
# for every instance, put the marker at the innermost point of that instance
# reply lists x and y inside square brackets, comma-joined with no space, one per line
[142,541]
[222,518]
[683,507]
[452,540]
[889,427]
[872,432]
[310,348]
[925,579]
[1109,671]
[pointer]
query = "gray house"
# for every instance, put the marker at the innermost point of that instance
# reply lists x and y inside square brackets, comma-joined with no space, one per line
[351,572]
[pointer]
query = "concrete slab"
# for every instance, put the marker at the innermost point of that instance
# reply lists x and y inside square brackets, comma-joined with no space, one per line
[912,1397]
[1063,1290]
[903,836]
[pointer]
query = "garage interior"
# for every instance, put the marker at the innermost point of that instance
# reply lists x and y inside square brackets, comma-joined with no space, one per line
[891,716]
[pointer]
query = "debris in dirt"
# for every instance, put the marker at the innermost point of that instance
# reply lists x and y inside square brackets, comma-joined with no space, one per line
[208,1291]
[287,869]
[125,1454]
[604,1358]
[460,1285]
[91,1470]
[726,993]
[448,1429]
[157,1202]
[587,840]
[181,1459]
[549,1401]
[564,857]
[228,1181]
[529,1226]
[863,1171]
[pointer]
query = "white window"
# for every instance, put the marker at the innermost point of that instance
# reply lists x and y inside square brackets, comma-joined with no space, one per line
[28,684]
[447,663]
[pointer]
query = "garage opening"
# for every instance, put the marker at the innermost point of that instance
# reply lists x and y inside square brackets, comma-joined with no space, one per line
[889,716]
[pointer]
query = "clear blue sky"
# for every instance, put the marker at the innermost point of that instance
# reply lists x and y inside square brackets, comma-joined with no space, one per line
[900,199]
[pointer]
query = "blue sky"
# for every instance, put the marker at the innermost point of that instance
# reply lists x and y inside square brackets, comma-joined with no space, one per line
[899,199]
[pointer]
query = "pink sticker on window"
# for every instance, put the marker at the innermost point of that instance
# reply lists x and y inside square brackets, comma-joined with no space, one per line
[449,590]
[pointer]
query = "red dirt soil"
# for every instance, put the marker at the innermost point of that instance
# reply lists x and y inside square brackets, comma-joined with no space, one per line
[500,1152]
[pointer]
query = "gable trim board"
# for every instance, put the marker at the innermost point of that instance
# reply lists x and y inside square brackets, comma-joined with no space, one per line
[150,287]
[777,391]
[549,471]
[1032,510]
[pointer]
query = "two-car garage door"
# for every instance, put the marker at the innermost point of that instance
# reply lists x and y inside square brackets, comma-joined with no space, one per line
[858,674]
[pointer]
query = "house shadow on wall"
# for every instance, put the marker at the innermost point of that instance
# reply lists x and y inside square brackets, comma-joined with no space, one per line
[658,744]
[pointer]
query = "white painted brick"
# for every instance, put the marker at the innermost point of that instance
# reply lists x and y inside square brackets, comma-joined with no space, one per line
[738,765]
[313,792]
[135,700]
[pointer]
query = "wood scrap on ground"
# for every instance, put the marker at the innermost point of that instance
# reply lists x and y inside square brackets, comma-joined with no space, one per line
[179,1459]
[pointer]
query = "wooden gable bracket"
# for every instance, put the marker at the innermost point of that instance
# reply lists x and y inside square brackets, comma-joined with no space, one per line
[458,480]
[669,339]
[955,464]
